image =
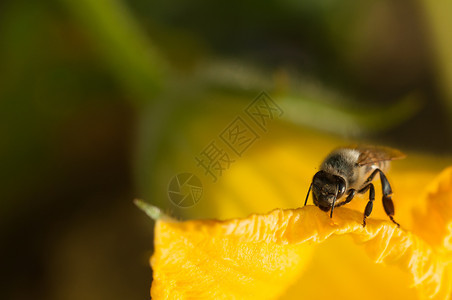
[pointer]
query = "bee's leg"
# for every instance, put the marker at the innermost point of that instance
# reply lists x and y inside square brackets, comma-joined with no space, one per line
[371,177]
[349,198]
[370,204]
[387,200]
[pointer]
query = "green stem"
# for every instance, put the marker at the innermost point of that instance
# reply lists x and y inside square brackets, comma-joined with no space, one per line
[153,212]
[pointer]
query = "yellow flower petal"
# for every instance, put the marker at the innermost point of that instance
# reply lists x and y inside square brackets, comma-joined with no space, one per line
[215,260]
[260,256]
[434,218]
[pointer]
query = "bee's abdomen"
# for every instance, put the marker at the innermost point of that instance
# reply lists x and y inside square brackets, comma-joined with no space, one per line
[383,165]
[365,171]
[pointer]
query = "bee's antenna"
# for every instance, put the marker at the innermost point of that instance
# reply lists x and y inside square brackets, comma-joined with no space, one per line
[307,196]
[334,202]
[332,208]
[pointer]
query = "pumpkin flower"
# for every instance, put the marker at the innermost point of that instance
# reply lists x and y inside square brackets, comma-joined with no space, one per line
[302,253]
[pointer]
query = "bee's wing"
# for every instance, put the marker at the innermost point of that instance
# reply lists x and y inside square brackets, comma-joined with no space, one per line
[373,154]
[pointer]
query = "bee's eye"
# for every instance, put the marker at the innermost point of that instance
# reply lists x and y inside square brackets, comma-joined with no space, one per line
[340,186]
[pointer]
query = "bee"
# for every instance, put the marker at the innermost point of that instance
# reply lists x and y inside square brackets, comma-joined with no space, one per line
[350,170]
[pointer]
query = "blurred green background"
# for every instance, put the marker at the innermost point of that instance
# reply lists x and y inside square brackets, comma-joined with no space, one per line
[104,101]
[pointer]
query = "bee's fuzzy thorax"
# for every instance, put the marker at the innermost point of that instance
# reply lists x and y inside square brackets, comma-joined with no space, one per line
[342,162]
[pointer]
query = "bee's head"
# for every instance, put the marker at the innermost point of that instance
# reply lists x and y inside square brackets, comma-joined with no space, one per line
[326,188]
